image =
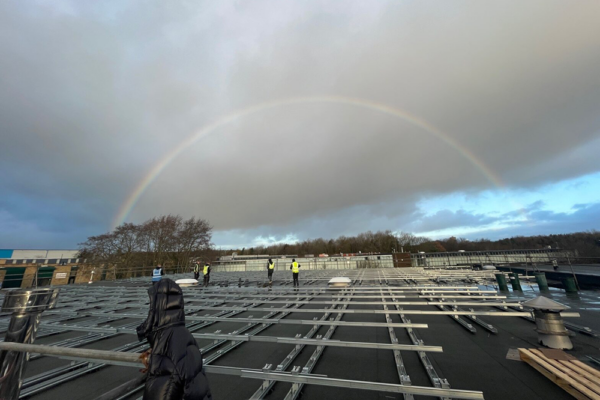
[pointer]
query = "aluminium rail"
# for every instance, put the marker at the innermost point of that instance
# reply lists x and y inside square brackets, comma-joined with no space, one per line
[60,375]
[133,360]
[267,385]
[127,301]
[277,339]
[566,314]
[199,303]
[281,321]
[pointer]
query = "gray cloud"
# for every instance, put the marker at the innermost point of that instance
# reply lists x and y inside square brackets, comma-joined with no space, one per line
[583,217]
[93,95]
[445,219]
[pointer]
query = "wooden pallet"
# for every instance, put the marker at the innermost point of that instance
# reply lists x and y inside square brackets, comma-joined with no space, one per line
[578,379]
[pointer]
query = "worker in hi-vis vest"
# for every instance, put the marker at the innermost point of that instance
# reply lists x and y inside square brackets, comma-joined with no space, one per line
[206,272]
[196,270]
[157,273]
[270,269]
[295,271]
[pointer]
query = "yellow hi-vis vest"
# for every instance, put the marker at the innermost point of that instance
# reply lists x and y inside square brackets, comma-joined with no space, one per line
[271,265]
[205,270]
[295,269]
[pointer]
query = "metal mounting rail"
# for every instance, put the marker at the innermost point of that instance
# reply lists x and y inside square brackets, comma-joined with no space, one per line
[200,304]
[132,360]
[356,290]
[370,303]
[441,304]
[236,342]
[267,385]
[436,380]
[586,330]
[90,310]
[418,312]
[362,311]
[480,322]
[51,378]
[459,320]
[326,294]
[55,377]
[400,368]
[59,375]
[321,323]
[296,388]
[273,321]
[276,339]
[375,288]
[345,291]
[229,347]
[76,342]
[318,342]
[213,297]
[309,379]
[329,292]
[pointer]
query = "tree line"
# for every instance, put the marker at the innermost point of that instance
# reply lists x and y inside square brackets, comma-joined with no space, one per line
[586,243]
[367,242]
[173,242]
[168,240]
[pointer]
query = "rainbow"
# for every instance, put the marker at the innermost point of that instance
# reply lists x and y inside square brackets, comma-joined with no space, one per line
[163,163]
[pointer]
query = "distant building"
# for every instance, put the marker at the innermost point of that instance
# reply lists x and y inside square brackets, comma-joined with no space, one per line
[323,261]
[21,268]
[19,256]
[488,257]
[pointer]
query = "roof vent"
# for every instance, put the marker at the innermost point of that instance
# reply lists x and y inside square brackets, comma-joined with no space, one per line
[186,282]
[550,326]
[339,282]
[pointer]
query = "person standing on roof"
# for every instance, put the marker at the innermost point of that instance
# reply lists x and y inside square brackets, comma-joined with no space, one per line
[157,273]
[196,270]
[174,361]
[206,272]
[270,269]
[295,267]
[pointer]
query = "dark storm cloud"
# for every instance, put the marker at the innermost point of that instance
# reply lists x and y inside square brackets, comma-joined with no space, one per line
[92,95]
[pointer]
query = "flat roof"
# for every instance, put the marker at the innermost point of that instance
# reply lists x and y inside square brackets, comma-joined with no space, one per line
[103,315]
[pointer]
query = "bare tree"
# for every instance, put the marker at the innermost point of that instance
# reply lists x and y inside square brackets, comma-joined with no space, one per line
[162,240]
[192,239]
[161,236]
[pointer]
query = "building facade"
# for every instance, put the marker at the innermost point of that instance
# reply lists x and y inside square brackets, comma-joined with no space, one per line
[16,256]
[32,268]
[324,262]
[491,257]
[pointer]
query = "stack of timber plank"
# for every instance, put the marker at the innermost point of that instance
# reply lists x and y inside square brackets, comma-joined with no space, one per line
[577,378]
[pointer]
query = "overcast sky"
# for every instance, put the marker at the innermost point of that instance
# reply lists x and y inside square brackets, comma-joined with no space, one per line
[310,119]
